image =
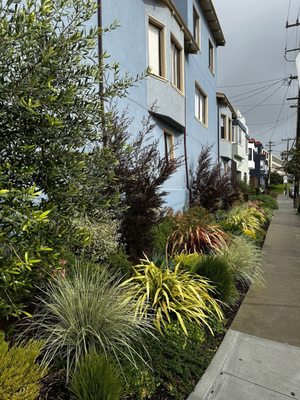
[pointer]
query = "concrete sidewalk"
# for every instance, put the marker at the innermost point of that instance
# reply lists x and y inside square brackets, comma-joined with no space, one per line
[259,358]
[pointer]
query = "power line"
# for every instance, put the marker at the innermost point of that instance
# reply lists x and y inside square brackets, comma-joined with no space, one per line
[266,98]
[249,84]
[268,123]
[279,114]
[258,91]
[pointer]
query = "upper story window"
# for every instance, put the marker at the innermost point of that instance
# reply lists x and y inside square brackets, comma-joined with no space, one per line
[250,154]
[223,126]
[156,48]
[177,64]
[233,135]
[229,130]
[240,136]
[196,26]
[201,105]
[211,56]
[169,146]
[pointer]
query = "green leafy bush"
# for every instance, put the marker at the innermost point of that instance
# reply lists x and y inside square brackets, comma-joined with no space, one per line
[118,263]
[96,378]
[244,259]
[218,272]
[171,295]
[160,233]
[85,311]
[26,253]
[214,268]
[266,201]
[178,361]
[102,233]
[19,372]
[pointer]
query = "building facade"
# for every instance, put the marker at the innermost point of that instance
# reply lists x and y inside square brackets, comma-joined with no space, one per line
[177,40]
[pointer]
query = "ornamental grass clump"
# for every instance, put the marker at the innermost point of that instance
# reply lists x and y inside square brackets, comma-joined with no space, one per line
[245,219]
[193,235]
[244,259]
[88,311]
[96,378]
[171,295]
[215,269]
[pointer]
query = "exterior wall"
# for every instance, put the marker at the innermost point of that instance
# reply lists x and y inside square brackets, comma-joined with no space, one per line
[175,109]
[198,71]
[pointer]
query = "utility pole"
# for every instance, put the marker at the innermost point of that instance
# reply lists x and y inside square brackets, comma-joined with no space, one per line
[296,186]
[287,140]
[270,144]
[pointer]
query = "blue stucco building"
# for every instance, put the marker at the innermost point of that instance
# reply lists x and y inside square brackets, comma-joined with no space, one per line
[178,40]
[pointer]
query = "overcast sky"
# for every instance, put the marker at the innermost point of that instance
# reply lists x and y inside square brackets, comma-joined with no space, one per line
[256,38]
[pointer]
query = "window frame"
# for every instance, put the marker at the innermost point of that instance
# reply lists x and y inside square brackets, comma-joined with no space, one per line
[180,64]
[224,126]
[162,47]
[169,145]
[199,90]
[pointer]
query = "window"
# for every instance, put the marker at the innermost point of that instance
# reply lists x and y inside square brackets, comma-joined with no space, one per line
[169,145]
[229,130]
[176,65]
[240,135]
[200,105]
[211,61]
[250,154]
[223,127]
[232,135]
[156,48]
[196,26]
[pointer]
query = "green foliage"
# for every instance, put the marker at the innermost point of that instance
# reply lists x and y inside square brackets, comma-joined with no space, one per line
[188,261]
[247,219]
[26,254]
[218,272]
[275,190]
[87,311]
[102,235]
[244,259]
[212,188]
[51,118]
[118,263]
[276,178]
[171,295]
[195,235]
[96,378]
[160,233]
[293,165]
[178,361]
[266,201]
[19,372]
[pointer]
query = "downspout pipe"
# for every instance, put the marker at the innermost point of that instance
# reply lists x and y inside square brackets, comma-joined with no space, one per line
[185,148]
